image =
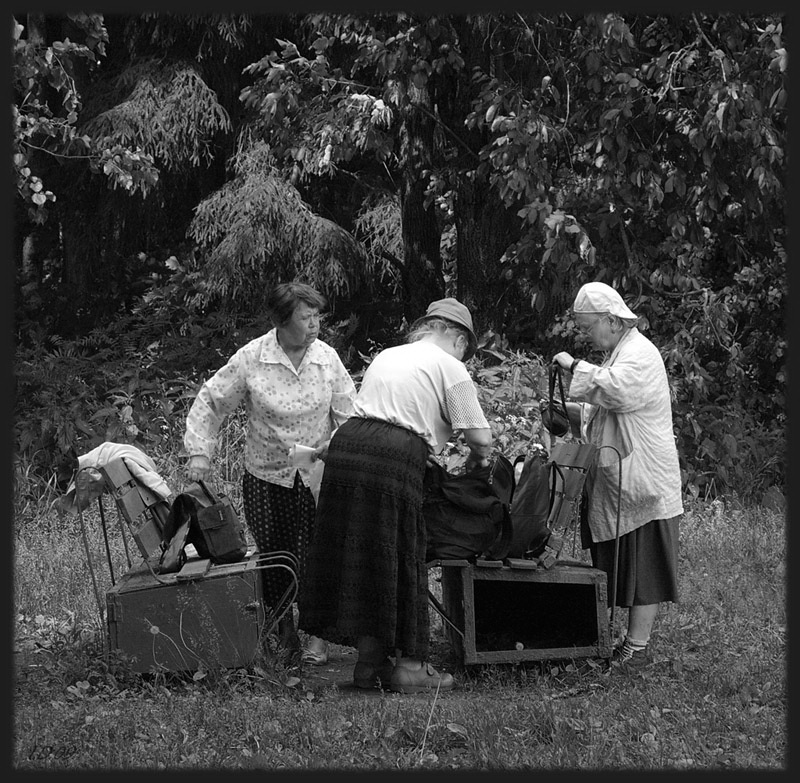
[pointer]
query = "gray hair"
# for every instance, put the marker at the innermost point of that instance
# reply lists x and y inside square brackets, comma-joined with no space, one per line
[435,325]
[625,323]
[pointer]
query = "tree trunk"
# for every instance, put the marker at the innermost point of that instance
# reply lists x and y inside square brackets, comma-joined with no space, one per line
[485,228]
[423,280]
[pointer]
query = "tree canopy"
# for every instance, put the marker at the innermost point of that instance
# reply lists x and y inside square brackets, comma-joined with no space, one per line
[180,164]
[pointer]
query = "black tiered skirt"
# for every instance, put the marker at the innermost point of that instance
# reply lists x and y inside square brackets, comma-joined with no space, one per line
[366,573]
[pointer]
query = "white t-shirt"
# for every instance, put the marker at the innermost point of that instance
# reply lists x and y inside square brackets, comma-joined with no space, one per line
[423,388]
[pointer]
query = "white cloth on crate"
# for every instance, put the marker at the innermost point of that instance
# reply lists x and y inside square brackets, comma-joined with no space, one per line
[90,482]
[626,404]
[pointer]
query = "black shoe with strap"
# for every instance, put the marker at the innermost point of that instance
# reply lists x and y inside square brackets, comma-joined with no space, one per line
[625,659]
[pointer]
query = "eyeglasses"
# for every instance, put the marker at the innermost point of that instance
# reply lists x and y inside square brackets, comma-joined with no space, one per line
[587,329]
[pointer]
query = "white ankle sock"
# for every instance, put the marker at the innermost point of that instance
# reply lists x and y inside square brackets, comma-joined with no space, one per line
[631,646]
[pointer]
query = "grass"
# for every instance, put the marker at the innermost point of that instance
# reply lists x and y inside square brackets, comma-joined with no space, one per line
[714,697]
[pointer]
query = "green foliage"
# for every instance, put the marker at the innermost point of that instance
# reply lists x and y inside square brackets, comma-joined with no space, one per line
[257,231]
[379,230]
[80,394]
[44,125]
[169,112]
[513,156]
[510,385]
[360,103]
[731,451]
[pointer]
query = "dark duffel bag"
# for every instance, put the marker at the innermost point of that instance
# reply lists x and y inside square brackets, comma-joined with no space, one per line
[467,515]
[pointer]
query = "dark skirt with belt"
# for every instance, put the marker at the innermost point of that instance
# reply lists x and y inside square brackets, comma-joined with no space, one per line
[366,573]
[647,562]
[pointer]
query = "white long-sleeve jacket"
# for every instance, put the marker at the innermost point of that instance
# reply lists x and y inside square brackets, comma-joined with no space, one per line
[626,404]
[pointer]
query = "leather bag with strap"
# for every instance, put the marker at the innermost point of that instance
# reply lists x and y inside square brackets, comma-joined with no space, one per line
[206,519]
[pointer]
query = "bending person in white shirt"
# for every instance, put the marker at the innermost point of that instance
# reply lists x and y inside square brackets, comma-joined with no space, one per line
[366,583]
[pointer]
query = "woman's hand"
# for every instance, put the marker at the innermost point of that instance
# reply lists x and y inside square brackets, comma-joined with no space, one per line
[197,467]
[563,359]
[321,452]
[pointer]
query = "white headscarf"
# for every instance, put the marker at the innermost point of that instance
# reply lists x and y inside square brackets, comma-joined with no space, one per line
[602,298]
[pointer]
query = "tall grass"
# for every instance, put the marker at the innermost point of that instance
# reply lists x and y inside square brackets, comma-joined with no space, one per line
[713,698]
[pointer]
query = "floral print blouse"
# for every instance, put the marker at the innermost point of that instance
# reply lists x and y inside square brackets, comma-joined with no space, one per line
[284,405]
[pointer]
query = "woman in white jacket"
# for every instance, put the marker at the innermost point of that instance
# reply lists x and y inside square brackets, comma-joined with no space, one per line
[625,403]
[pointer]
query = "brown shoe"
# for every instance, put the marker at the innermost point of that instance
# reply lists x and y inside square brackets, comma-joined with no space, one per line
[373,676]
[422,680]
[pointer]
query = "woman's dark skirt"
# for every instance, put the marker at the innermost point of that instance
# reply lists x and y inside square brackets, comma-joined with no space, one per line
[366,573]
[647,562]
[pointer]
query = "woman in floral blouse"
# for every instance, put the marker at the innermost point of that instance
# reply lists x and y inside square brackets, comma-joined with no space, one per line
[295,389]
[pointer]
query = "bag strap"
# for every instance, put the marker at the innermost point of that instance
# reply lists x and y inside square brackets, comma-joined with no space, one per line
[555,372]
[207,492]
[179,513]
[555,473]
[499,549]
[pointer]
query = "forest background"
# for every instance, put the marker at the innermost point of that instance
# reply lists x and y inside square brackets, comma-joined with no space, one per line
[170,168]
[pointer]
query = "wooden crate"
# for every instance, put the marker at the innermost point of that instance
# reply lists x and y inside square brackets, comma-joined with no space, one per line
[201,617]
[554,613]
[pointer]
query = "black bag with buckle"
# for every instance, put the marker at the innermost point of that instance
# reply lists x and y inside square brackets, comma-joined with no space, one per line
[467,515]
[207,520]
[530,506]
[554,411]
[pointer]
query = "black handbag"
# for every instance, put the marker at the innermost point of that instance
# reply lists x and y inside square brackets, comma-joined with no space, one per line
[467,515]
[555,418]
[208,520]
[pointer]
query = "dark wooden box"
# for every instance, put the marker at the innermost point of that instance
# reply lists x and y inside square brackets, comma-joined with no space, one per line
[185,622]
[507,613]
